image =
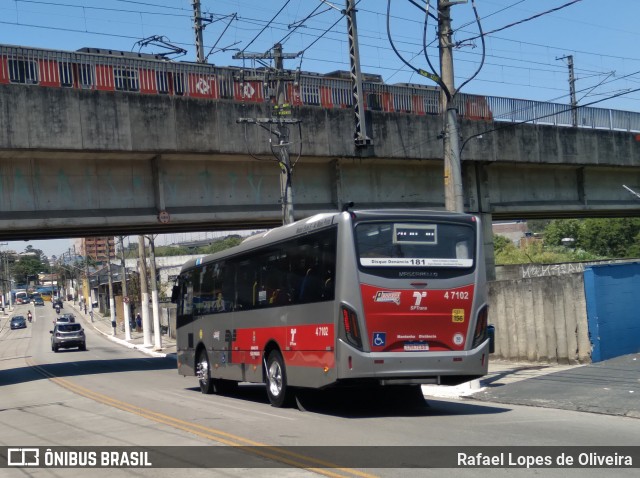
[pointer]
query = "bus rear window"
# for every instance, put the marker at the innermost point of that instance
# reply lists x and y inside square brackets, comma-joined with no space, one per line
[412,244]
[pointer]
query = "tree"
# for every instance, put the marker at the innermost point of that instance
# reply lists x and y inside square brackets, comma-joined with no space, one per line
[610,237]
[26,267]
[559,229]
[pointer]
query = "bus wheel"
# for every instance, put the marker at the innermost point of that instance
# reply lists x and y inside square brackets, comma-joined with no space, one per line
[203,372]
[277,388]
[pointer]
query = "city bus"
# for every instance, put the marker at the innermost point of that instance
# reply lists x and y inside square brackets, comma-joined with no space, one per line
[357,298]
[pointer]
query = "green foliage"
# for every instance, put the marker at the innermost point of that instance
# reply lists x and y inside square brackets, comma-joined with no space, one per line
[595,239]
[216,246]
[221,245]
[28,266]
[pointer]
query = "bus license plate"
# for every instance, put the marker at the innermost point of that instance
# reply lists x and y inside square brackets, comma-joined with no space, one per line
[416,346]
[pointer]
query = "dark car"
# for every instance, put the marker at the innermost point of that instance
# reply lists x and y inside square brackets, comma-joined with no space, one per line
[68,335]
[18,322]
[38,301]
[56,303]
[66,317]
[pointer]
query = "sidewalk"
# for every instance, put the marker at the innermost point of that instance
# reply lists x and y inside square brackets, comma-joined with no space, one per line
[103,326]
[500,373]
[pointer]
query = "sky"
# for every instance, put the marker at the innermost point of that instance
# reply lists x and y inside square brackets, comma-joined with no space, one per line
[524,55]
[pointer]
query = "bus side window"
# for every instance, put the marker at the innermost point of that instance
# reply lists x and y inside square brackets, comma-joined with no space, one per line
[311,287]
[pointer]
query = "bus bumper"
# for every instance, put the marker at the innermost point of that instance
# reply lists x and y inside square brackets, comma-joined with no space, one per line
[400,368]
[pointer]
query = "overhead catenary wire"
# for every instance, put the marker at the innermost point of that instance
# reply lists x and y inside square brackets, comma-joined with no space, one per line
[524,20]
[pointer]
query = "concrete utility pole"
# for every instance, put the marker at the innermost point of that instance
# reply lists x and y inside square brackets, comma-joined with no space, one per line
[281,117]
[572,89]
[125,293]
[283,108]
[360,135]
[146,329]
[86,273]
[112,303]
[453,196]
[198,28]
[157,336]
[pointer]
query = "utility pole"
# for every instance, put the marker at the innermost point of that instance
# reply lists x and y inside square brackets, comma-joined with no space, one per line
[282,118]
[157,337]
[360,134]
[125,293]
[112,303]
[572,89]
[454,199]
[198,28]
[86,273]
[146,329]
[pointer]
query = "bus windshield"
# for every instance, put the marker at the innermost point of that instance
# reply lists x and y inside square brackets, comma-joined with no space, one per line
[413,244]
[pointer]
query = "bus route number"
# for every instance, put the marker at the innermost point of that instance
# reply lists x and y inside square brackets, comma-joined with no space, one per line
[456,295]
[322,331]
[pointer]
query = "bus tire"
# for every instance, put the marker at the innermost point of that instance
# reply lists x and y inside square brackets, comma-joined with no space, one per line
[278,391]
[203,371]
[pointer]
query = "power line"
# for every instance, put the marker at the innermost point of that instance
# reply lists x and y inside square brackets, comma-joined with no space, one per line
[538,15]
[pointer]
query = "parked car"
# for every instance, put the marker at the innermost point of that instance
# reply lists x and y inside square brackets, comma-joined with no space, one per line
[68,335]
[38,301]
[18,322]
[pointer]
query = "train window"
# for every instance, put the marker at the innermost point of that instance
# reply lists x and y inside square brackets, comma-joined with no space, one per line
[86,76]
[178,84]
[162,81]
[225,81]
[126,79]
[23,71]
[66,74]
[310,93]
[374,102]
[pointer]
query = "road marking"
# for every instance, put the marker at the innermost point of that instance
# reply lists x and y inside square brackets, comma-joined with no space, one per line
[261,449]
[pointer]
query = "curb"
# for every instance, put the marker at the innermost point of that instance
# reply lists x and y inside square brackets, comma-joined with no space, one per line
[142,348]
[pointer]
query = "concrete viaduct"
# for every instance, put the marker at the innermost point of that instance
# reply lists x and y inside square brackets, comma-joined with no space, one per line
[80,163]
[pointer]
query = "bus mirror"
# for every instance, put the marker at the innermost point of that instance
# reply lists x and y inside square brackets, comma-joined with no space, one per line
[174,294]
[491,332]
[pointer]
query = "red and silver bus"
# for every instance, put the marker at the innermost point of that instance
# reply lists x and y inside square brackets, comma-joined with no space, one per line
[358,298]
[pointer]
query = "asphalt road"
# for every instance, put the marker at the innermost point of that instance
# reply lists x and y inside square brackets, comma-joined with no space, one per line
[111,395]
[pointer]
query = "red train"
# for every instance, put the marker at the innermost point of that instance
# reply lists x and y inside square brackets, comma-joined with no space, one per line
[109,70]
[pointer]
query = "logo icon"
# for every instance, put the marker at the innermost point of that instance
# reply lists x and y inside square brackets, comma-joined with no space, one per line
[23,457]
[379,339]
[419,296]
[387,296]
[248,90]
[202,86]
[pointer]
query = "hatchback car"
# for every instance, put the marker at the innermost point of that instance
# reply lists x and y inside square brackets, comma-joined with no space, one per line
[38,301]
[64,336]
[18,322]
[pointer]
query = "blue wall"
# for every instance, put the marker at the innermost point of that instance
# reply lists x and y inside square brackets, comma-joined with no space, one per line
[612,293]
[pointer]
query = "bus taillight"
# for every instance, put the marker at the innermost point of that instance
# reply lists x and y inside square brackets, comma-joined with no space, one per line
[351,328]
[480,334]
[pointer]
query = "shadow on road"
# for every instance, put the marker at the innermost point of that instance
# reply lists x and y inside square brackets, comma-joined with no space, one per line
[365,403]
[84,367]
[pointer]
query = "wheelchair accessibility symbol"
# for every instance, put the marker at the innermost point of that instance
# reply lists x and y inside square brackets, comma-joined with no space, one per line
[379,339]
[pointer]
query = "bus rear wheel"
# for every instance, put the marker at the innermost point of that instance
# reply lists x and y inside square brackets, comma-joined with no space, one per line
[278,391]
[203,371]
